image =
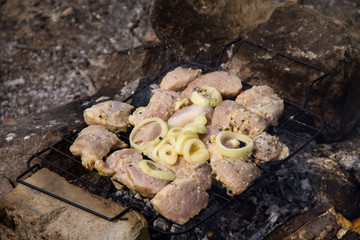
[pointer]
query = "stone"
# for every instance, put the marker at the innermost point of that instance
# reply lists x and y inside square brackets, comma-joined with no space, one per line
[113,72]
[200,29]
[305,34]
[29,214]
[331,184]
[5,186]
[199,22]
[23,137]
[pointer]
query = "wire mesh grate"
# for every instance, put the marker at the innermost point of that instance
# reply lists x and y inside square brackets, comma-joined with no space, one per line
[297,127]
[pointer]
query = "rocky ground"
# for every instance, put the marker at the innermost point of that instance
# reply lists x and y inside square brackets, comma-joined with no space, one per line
[47,49]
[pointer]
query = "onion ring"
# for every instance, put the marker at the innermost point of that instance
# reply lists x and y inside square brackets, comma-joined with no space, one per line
[182,139]
[206,96]
[195,151]
[156,170]
[161,152]
[152,143]
[241,152]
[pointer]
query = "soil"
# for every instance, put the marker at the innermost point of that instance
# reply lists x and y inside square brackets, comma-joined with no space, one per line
[47,48]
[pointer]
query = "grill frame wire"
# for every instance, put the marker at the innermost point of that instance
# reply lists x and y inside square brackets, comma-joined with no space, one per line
[293,118]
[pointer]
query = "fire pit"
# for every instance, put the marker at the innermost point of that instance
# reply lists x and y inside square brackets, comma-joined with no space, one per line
[297,128]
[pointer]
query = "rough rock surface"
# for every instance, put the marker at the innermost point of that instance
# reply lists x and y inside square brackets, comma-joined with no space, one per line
[199,28]
[319,40]
[204,21]
[5,186]
[331,184]
[48,47]
[29,214]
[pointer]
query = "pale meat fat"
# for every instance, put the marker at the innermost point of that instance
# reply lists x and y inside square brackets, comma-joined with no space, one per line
[189,114]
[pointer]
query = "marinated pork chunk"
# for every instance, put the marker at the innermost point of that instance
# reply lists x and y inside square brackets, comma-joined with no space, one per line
[227,84]
[125,163]
[200,171]
[188,114]
[149,132]
[181,200]
[235,174]
[263,101]
[269,148]
[161,105]
[229,115]
[179,78]
[211,132]
[113,115]
[246,123]
[180,163]
[92,144]
[222,111]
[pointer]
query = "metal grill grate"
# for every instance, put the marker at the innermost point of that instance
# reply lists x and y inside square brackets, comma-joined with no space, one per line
[296,129]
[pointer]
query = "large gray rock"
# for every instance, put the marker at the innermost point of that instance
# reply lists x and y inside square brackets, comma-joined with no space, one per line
[331,184]
[29,214]
[325,42]
[200,22]
[5,186]
[21,138]
[199,29]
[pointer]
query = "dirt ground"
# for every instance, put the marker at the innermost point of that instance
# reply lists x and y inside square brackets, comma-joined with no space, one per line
[47,48]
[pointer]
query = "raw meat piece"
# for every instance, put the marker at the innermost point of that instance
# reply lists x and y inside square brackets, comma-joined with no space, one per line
[212,131]
[92,144]
[229,85]
[181,200]
[161,105]
[188,114]
[235,174]
[222,111]
[246,123]
[263,101]
[200,171]
[125,163]
[113,115]
[147,133]
[179,78]
[229,115]
[269,148]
